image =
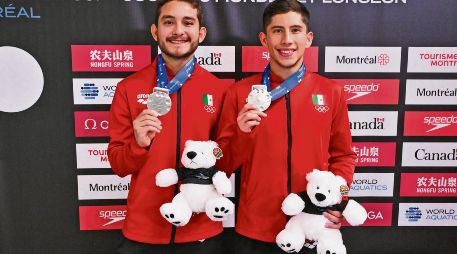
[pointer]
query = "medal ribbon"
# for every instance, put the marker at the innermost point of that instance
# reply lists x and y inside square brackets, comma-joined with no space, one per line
[286,86]
[178,81]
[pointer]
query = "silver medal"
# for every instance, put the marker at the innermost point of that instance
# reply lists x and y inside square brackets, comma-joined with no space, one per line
[160,100]
[259,97]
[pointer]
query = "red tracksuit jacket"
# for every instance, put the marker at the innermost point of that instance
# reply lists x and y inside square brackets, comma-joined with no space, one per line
[297,136]
[188,118]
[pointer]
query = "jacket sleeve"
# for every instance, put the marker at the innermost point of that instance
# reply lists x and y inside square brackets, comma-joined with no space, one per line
[342,157]
[125,156]
[236,145]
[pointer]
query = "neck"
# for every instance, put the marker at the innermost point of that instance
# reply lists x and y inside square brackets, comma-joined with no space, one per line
[175,64]
[285,72]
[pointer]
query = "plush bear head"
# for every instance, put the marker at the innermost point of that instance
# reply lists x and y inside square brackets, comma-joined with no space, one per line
[324,188]
[200,154]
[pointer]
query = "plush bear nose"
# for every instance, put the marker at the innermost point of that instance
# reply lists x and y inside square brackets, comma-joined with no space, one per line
[191,155]
[320,197]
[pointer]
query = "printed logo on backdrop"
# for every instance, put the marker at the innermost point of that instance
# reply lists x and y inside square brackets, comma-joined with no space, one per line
[429,154]
[362,59]
[101,217]
[215,58]
[379,215]
[428,185]
[430,123]
[373,123]
[256,58]
[91,123]
[103,187]
[110,58]
[432,59]
[94,91]
[372,185]
[439,92]
[10,11]
[370,91]
[374,154]
[92,156]
[427,214]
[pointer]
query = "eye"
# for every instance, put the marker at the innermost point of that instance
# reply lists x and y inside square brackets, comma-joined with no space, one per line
[328,191]
[317,187]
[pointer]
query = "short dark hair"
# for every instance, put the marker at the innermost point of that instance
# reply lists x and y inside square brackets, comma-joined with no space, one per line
[194,3]
[285,6]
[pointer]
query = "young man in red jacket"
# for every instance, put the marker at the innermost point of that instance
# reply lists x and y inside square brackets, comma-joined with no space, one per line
[305,127]
[146,138]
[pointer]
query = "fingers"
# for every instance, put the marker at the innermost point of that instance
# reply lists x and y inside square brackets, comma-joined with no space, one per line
[249,117]
[145,127]
[335,218]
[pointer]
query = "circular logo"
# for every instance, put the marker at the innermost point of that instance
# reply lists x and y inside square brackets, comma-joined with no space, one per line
[21,80]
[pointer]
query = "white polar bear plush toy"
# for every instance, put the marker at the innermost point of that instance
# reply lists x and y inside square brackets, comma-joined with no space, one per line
[202,187]
[324,191]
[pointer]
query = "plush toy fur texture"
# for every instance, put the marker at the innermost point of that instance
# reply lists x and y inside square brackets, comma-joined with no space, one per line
[202,188]
[323,192]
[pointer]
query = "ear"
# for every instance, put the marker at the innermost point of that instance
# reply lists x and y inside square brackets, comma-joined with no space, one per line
[340,181]
[154,31]
[201,34]
[312,175]
[309,39]
[263,39]
[213,144]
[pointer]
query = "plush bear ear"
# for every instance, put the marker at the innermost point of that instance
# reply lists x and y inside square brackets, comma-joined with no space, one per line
[312,175]
[188,142]
[343,186]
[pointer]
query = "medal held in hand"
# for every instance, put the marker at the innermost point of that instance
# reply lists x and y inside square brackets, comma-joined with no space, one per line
[259,97]
[159,101]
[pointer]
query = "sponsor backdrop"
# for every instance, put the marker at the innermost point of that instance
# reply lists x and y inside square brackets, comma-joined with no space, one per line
[60,62]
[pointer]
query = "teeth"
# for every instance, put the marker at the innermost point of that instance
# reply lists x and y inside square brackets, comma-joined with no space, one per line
[286,51]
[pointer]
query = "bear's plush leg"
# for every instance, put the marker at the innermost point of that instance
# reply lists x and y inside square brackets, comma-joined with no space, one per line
[218,208]
[292,238]
[177,212]
[330,242]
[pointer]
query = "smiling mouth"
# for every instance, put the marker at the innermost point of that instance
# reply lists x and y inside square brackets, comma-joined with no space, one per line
[191,161]
[286,52]
[177,41]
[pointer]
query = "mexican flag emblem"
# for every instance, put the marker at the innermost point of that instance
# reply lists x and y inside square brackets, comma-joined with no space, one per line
[318,99]
[208,99]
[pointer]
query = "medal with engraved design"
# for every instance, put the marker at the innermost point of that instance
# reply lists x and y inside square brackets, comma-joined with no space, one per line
[160,101]
[259,97]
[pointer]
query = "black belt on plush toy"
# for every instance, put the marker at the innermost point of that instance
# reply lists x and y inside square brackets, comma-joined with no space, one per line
[314,209]
[197,176]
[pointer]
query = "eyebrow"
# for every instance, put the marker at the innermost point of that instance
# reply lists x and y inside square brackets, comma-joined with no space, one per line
[173,17]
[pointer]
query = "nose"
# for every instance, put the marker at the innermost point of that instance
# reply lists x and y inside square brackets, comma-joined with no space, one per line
[191,155]
[179,29]
[286,38]
[320,197]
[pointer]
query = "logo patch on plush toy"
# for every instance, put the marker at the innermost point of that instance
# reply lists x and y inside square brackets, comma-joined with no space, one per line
[344,190]
[217,153]
[202,187]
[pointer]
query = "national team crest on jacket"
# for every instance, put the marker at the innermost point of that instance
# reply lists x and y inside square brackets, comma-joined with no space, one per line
[208,103]
[320,103]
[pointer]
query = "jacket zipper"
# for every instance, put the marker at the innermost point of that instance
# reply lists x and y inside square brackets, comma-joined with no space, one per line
[178,150]
[289,145]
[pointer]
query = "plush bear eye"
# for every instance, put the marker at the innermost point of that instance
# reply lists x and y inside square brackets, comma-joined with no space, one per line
[317,187]
[328,191]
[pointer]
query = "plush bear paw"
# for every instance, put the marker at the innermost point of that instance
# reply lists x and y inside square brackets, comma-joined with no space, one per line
[292,205]
[289,241]
[166,177]
[219,209]
[222,183]
[175,215]
[330,248]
